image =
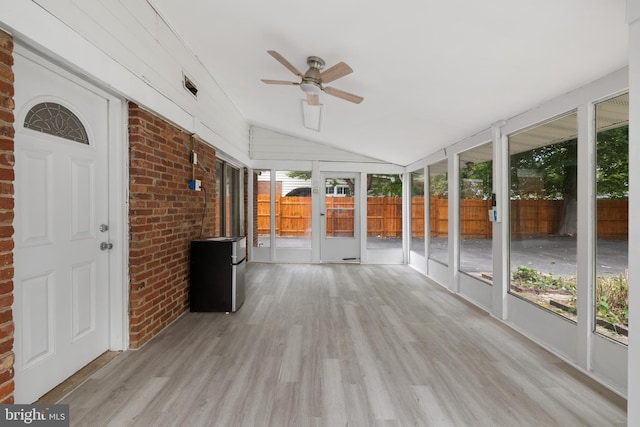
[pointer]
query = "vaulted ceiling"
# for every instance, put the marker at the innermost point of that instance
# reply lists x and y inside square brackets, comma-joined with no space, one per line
[431,72]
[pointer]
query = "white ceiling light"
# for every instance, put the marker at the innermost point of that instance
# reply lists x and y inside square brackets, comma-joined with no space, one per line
[312,115]
[309,87]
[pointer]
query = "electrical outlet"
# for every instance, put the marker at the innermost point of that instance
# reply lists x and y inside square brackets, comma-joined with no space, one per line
[195,184]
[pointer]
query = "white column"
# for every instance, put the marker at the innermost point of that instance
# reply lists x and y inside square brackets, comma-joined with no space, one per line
[501,226]
[453,245]
[586,239]
[633,405]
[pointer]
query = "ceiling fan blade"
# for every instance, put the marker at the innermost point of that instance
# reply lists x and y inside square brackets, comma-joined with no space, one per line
[313,99]
[339,70]
[284,62]
[279,82]
[344,95]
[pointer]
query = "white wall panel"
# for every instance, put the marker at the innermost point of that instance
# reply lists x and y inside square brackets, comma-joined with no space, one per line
[438,272]
[126,46]
[535,323]
[267,145]
[608,362]
[477,291]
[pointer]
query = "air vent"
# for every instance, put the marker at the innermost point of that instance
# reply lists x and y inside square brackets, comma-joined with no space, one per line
[189,85]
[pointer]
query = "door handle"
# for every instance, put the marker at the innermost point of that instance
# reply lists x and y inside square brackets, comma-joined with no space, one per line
[105,246]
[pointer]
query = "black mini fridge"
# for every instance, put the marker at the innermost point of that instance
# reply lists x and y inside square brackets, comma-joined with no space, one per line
[217,274]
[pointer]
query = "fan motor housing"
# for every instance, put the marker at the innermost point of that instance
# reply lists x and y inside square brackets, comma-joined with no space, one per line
[315,62]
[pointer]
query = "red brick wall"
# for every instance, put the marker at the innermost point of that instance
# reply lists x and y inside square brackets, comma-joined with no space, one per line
[6,218]
[164,217]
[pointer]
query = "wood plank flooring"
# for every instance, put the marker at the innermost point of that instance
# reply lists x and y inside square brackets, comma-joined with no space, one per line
[342,345]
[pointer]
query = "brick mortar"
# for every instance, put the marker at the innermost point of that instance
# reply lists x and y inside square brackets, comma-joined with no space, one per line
[7,132]
[164,217]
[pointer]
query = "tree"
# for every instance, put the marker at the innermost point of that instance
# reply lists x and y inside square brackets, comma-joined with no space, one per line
[555,167]
[438,186]
[300,174]
[377,184]
[384,185]
[612,166]
[482,173]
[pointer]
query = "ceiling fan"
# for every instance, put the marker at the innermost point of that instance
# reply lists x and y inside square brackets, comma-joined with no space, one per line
[313,80]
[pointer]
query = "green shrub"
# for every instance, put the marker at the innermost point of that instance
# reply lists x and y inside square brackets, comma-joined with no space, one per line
[612,298]
[531,278]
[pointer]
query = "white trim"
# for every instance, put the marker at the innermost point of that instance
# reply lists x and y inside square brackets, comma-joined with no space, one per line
[119,223]
[633,374]
[118,200]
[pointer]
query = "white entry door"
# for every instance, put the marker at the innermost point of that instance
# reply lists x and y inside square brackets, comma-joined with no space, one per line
[61,305]
[340,218]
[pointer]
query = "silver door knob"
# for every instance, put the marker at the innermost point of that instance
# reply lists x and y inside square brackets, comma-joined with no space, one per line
[104,227]
[104,246]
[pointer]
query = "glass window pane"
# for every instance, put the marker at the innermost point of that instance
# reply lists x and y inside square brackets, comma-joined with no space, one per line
[228,196]
[417,212]
[543,209]
[384,211]
[340,208]
[439,212]
[232,201]
[476,231]
[262,209]
[293,209]
[218,199]
[612,218]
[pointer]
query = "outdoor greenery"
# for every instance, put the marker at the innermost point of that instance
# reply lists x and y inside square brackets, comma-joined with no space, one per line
[438,186]
[555,164]
[476,180]
[306,175]
[378,185]
[612,298]
[384,185]
[612,170]
[612,292]
[527,277]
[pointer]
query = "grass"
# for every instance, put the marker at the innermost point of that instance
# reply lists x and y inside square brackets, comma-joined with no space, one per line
[612,298]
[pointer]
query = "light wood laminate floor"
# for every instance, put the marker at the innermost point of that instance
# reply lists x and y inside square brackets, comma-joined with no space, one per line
[342,345]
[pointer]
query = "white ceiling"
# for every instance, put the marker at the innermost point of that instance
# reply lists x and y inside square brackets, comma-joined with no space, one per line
[431,72]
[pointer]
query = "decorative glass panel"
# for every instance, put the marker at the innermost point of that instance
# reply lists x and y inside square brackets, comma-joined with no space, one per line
[54,119]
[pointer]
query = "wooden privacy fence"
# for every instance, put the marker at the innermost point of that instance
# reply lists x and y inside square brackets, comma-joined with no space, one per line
[528,218]
[384,217]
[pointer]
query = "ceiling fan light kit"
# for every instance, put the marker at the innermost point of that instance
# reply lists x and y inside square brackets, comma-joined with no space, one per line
[312,81]
[310,87]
